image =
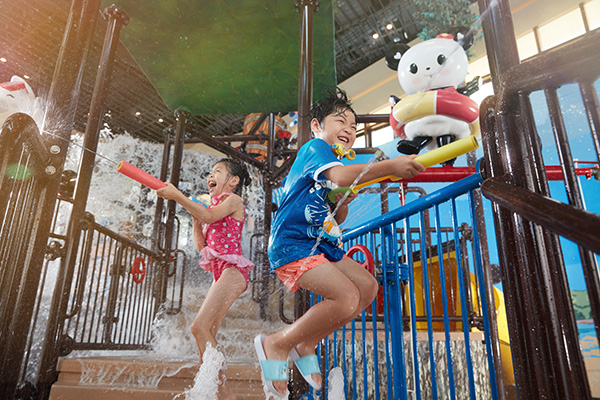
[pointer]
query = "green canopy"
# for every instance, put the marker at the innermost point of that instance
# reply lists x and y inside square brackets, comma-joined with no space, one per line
[227,56]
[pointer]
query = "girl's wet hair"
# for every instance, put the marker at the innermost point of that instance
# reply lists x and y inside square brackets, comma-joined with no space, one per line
[236,168]
[335,102]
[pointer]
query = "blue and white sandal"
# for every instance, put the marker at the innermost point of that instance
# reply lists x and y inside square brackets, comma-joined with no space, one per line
[272,370]
[307,366]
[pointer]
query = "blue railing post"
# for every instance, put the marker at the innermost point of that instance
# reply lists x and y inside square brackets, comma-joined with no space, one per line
[463,303]
[413,309]
[395,309]
[426,286]
[484,302]
[438,232]
[374,323]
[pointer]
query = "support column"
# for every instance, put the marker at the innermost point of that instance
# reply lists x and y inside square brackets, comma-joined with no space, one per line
[305,76]
[182,119]
[64,92]
[305,83]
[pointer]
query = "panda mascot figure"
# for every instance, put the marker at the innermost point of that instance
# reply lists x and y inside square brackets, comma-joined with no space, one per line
[17,96]
[434,113]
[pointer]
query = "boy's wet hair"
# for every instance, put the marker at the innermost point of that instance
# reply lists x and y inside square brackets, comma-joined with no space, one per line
[335,102]
[236,168]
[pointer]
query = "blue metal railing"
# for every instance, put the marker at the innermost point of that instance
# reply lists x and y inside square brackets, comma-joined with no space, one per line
[424,301]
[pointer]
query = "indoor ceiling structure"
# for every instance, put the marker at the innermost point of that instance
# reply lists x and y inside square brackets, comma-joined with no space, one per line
[365,30]
[30,43]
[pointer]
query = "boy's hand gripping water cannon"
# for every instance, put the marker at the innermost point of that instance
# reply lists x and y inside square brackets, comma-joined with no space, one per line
[433,157]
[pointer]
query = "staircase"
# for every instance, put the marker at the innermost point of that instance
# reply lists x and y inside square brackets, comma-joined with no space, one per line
[116,378]
[150,376]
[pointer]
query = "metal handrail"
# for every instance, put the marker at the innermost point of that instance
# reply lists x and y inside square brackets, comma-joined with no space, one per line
[573,223]
[460,187]
[552,68]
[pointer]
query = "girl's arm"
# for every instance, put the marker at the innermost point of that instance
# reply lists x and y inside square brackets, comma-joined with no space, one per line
[402,167]
[199,239]
[231,205]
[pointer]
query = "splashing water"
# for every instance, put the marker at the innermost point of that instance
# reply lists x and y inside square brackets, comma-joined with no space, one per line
[207,380]
[336,384]
[267,391]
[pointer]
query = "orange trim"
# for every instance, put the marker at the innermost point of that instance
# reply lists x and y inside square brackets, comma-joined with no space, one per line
[522,6]
[374,87]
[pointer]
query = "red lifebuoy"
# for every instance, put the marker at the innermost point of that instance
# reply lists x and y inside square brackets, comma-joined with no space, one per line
[369,265]
[138,270]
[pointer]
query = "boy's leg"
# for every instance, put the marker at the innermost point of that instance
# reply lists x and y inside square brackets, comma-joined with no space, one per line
[221,295]
[341,299]
[367,286]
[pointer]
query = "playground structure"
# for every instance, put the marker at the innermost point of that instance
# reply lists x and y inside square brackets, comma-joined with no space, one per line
[511,185]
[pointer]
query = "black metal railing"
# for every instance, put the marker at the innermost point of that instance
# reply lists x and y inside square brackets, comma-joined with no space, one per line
[115,292]
[573,223]
[25,168]
[541,320]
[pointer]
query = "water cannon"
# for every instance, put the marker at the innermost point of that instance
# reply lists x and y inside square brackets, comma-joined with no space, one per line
[431,158]
[140,176]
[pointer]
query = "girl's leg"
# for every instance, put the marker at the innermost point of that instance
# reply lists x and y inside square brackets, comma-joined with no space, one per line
[219,299]
[341,299]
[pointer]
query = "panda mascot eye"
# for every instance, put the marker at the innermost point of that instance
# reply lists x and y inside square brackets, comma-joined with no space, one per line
[413,68]
[441,59]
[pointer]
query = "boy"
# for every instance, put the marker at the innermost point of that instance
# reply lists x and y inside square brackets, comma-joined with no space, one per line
[305,254]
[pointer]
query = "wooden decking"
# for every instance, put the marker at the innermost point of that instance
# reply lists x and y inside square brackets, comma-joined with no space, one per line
[116,378]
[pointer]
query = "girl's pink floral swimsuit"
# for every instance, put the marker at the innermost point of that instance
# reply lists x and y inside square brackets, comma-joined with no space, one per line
[223,245]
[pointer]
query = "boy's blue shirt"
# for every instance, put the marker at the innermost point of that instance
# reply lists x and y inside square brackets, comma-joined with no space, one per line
[303,209]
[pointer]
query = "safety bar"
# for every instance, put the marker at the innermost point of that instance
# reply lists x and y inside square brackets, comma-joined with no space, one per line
[573,223]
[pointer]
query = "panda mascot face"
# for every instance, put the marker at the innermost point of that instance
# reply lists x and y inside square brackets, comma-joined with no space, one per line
[17,96]
[435,63]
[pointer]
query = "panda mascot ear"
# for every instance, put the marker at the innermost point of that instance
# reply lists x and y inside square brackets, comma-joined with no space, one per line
[462,35]
[393,55]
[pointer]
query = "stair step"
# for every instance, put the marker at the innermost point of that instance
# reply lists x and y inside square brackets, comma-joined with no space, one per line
[116,378]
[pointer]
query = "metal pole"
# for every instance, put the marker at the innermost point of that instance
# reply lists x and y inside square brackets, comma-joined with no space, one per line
[182,119]
[305,76]
[489,286]
[305,83]
[268,182]
[157,244]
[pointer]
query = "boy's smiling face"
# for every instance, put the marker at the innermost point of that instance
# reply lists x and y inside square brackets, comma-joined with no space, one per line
[339,127]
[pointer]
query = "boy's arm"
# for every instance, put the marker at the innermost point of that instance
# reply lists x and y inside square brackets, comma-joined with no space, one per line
[342,209]
[402,166]
[206,215]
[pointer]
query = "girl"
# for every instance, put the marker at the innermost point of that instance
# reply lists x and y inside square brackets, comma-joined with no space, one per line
[219,244]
